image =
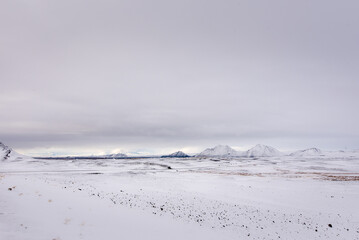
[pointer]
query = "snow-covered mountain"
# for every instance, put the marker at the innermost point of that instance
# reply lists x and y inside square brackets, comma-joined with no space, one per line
[262,151]
[116,155]
[6,153]
[220,151]
[307,152]
[178,154]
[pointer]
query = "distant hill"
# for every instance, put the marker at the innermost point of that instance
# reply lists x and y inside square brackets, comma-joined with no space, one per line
[7,153]
[262,151]
[116,155]
[307,152]
[220,151]
[178,154]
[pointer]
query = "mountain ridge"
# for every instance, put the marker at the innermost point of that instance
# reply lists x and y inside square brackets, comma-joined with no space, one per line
[307,152]
[220,151]
[178,154]
[261,150]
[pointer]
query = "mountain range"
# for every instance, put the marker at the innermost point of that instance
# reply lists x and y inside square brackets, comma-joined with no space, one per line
[226,151]
[223,151]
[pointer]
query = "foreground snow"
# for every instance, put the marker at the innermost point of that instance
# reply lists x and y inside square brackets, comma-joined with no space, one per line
[208,198]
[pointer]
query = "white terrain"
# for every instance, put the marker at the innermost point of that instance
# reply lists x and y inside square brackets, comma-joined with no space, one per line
[260,194]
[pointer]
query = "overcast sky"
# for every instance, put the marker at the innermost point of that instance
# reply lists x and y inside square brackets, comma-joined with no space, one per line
[138,76]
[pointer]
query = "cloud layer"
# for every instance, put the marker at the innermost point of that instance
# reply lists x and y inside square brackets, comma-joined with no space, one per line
[178,74]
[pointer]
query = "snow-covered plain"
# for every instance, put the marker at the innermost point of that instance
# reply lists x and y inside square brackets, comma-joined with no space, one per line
[281,197]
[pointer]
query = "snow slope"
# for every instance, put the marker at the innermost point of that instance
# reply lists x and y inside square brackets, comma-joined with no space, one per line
[269,198]
[220,151]
[36,210]
[263,151]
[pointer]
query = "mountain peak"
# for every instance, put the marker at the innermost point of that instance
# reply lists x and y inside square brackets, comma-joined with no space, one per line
[5,151]
[3,146]
[261,150]
[117,155]
[220,151]
[178,154]
[307,152]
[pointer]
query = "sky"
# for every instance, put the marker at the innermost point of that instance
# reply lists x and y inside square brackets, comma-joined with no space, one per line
[151,77]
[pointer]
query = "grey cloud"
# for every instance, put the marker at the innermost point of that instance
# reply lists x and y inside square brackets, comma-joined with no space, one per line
[160,73]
